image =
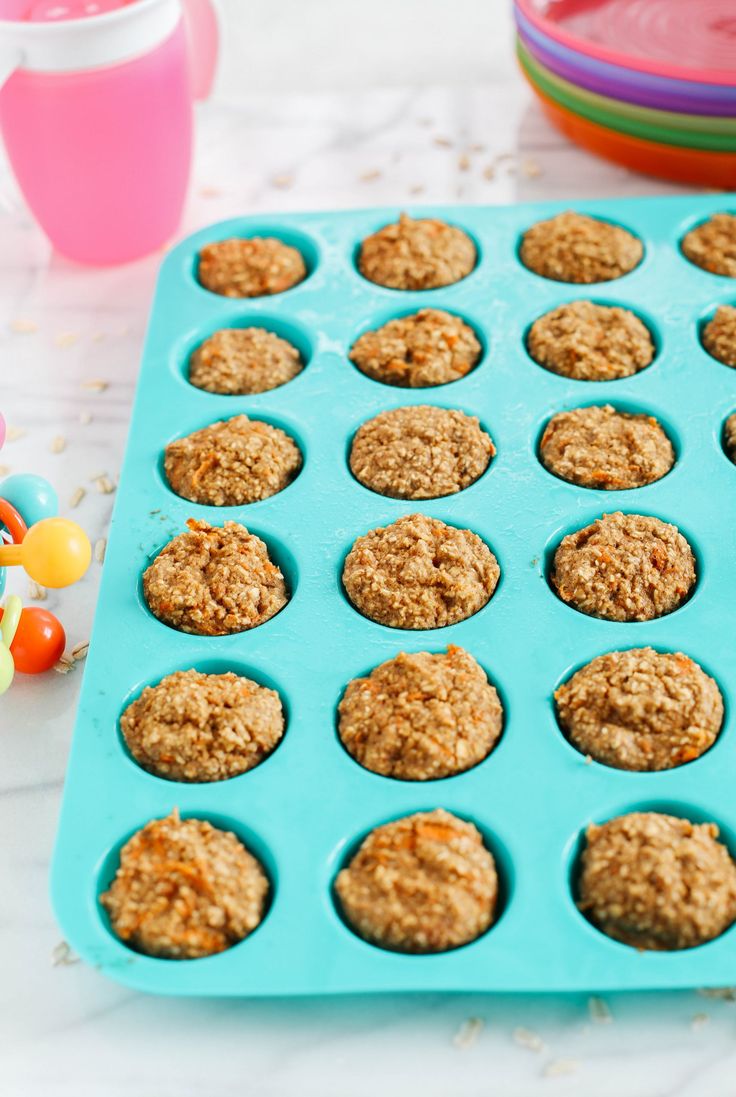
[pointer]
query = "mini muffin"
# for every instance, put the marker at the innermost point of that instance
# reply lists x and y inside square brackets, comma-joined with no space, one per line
[624,567]
[231,463]
[572,247]
[185,889]
[422,254]
[419,573]
[712,244]
[641,709]
[656,881]
[243,361]
[719,335]
[599,447]
[590,342]
[202,727]
[420,452]
[214,580]
[430,347]
[254,267]
[422,716]
[729,437]
[424,883]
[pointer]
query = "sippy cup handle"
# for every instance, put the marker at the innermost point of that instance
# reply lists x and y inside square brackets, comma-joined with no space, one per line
[203,37]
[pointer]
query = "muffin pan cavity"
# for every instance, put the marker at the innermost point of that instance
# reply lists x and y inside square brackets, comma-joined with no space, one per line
[304,808]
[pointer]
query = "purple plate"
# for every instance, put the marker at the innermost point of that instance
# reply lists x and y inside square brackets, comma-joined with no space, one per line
[661,92]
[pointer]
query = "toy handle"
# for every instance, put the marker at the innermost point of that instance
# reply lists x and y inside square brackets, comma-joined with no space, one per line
[203,35]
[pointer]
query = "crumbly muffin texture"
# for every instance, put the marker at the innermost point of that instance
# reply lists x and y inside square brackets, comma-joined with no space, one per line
[729,437]
[719,335]
[599,447]
[624,567]
[202,727]
[253,267]
[656,881]
[243,361]
[421,716]
[422,254]
[424,883]
[232,463]
[712,244]
[420,452]
[572,247]
[185,889]
[214,580]
[641,709]
[590,342]
[419,573]
[430,347]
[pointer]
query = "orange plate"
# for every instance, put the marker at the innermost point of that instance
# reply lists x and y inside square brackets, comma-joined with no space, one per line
[698,166]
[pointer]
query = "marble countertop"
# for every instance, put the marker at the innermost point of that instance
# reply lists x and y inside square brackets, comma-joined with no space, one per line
[65,1031]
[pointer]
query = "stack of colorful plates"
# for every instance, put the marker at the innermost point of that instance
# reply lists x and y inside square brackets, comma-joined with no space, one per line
[650,84]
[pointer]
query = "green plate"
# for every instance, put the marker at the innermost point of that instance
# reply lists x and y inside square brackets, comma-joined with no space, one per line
[668,127]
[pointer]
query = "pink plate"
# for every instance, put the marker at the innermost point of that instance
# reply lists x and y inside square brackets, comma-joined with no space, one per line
[682,39]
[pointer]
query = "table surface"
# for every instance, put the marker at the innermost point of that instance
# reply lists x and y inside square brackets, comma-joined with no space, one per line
[64,1029]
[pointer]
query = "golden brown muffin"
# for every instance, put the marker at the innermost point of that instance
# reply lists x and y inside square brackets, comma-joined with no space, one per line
[428,348]
[641,709]
[712,244]
[729,437]
[572,247]
[590,342]
[202,727]
[420,452]
[719,335]
[421,716]
[214,580]
[424,883]
[419,573]
[624,567]
[243,361]
[415,255]
[255,267]
[185,889]
[657,881]
[599,447]
[231,463]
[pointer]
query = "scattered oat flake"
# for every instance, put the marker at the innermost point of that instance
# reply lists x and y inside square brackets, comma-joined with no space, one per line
[531,169]
[418,188]
[468,1033]
[524,1037]
[726,994]
[65,663]
[282,182]
[698,1020]
[559,1067]
[100,547]
[104,484]
[58,444]
[66,338]
[76,497]
[85,418]
[598,1009]
[477,148]
[489,172]
[588,759]
[95,384]
[463,162]
[12,434]
[443,142]
[4,470]
[22,326]
[62,955]
[371,176]
[36,592]
[79,651]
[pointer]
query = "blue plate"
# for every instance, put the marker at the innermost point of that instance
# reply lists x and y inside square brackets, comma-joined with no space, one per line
[303,809]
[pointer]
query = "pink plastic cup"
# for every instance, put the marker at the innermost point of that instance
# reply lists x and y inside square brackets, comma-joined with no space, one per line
[96,114]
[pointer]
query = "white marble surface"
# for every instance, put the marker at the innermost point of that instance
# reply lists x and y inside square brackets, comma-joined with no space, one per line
[65,1031]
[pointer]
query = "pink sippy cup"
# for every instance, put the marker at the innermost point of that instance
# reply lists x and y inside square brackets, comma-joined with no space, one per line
[96,114]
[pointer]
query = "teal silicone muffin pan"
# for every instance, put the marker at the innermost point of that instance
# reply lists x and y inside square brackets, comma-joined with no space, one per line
[303,810]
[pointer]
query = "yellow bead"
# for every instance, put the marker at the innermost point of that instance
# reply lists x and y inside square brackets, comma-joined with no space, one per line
[56,552]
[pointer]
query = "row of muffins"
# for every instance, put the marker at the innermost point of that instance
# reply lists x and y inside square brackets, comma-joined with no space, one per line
[581,340]
[428,253]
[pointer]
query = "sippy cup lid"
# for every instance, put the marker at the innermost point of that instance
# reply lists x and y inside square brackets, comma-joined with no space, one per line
[71,45]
